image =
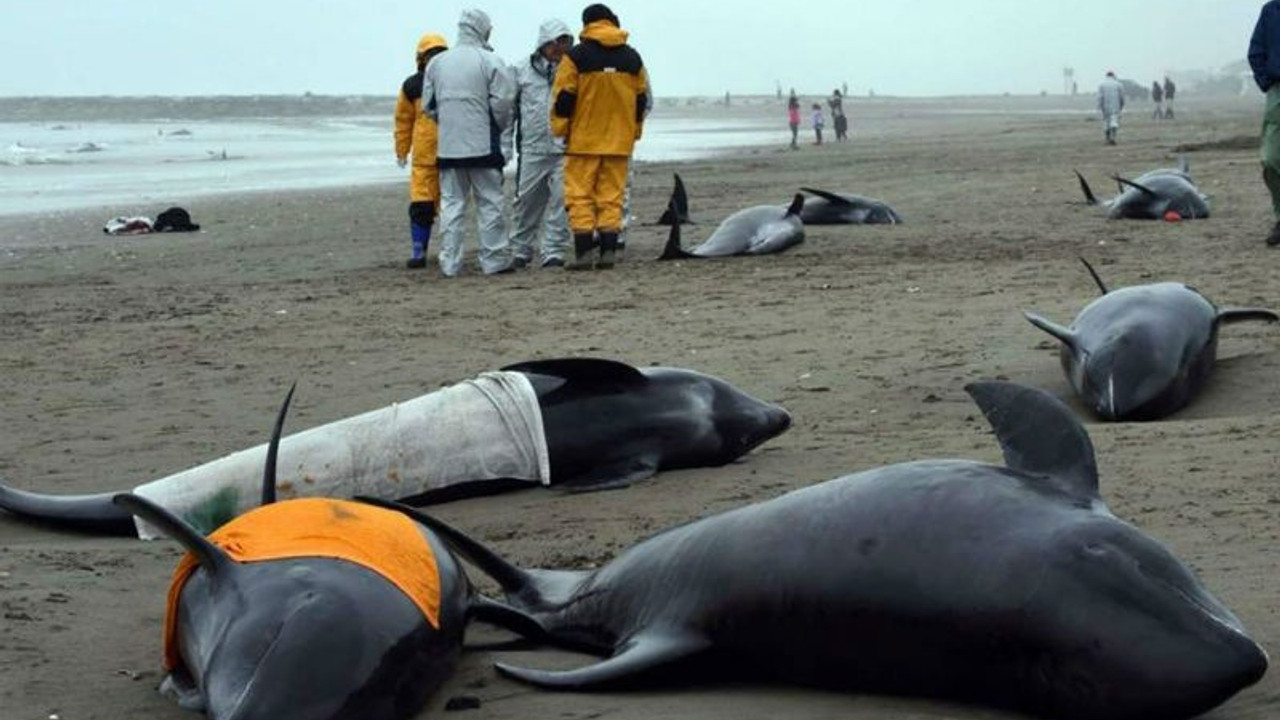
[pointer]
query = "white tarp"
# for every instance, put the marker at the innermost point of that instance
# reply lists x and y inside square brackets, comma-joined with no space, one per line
[486,428]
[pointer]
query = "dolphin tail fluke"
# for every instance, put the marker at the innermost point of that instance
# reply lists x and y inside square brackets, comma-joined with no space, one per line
[273,450]
[797,204]
[1094,273]
[643,654]
[84,513]
[1039,435]
[673,251]
[1234,314]
[1088,192]
[1064,335]
[213,558]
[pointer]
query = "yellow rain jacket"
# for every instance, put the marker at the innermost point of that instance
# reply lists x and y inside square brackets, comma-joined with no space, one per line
[601,94]
[415,132]
[384,541]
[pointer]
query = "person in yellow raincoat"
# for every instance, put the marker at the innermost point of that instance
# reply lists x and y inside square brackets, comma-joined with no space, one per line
[415,135]
[600,96]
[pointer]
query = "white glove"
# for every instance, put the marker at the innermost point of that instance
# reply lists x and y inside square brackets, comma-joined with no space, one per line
[402,161]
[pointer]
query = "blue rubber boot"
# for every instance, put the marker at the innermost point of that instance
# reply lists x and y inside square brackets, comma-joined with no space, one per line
[421,235]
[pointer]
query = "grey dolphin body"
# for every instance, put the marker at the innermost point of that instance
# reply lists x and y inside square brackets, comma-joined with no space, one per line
[1153,195]
[758,230]
[842,209]
[606,424]
[1145,351]
[305,638]
[1011,586]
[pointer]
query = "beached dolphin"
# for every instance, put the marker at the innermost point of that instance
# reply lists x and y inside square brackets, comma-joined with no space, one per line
[842,209]
[677,212]
[1012,586]
[1153,195]
[758,230]
[311,609]
[1144,351]
[577,422]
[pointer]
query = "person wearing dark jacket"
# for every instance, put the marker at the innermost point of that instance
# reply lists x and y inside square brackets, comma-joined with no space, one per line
[1169,89]
[1264,59]
[600,96]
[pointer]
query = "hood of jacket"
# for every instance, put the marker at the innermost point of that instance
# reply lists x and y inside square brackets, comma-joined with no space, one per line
[605,33]
[550,30]
[474,27]
[429,42]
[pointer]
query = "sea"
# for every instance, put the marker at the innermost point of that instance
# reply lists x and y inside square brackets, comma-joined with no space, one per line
[139,166]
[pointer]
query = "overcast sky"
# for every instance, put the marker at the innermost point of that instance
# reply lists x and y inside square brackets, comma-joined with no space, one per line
[897,47]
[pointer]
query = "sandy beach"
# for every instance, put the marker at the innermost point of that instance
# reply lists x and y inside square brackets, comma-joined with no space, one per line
[126,359]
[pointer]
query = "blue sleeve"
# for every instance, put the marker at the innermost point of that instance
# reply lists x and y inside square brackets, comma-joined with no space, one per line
[1259,46]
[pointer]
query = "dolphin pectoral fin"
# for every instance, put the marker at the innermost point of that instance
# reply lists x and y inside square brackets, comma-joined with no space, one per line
[1039,435]
[179,686]
[213,558]
[1136,186]
[797,204]
[830,197]
[1088,193]
[82,513]
[1228,315]
[616,475]
[486,609]
[1094,274]
[640,655]
[596,370]
[1065,335]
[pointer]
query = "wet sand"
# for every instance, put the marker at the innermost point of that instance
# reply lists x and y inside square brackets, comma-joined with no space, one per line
[125,359]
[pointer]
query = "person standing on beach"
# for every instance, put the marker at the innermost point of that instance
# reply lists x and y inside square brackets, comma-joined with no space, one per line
[600,99]
[415,135]
[1110,104]
[793,118]
[539,198]
[838,119]
[1264,60]
[817,124]
[470,93]
[1157,97]
[1169,89]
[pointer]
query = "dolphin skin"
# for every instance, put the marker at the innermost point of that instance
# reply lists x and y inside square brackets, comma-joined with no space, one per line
[831,208]
[1153,195]
[595,423]
[1005,585]
[1142,352]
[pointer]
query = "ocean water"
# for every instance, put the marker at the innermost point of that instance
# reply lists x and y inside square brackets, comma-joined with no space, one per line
[142,167]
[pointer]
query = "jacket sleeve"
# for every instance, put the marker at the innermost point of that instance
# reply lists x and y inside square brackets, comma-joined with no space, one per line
[564,95]
[644,100]
[429,94]
[1259,55]
[502,97]
[406,114]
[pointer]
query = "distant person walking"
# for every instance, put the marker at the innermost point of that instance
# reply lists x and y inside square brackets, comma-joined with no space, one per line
[539,200]
[1169,89]
[1157,97]
[470,92]
[1264,59]
[818,122]
[1110,104]
[793,118]
[600,96]
[415,136]
[838,119]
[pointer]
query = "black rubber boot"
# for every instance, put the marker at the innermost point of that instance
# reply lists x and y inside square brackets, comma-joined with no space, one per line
[583,244]
[608,250]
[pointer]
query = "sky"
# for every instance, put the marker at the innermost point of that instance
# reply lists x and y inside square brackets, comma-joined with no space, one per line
[690,47]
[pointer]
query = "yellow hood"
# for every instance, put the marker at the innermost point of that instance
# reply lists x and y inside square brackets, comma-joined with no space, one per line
[605,33]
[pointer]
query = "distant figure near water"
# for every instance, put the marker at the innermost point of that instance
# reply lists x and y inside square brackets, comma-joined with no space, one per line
[818,122]
[793,117]
[1157,97]
[838,118]
[1111,104]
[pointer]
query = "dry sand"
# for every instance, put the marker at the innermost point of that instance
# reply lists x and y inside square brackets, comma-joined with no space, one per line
[125,359]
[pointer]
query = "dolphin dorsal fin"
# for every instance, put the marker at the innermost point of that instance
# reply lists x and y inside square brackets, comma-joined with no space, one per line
[827,195]
[1241,314]
[213,558]
[1039,435]
[273,450]
[583,369]
[1136,186]
[797,204]
[1066,336]
[1088,192]
[1094,273]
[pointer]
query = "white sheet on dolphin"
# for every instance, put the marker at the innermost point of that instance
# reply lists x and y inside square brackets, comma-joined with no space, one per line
[485,428]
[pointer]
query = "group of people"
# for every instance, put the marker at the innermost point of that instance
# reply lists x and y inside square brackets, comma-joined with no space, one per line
[818,120]
[571,113]
[1111,97]
[1162,96]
